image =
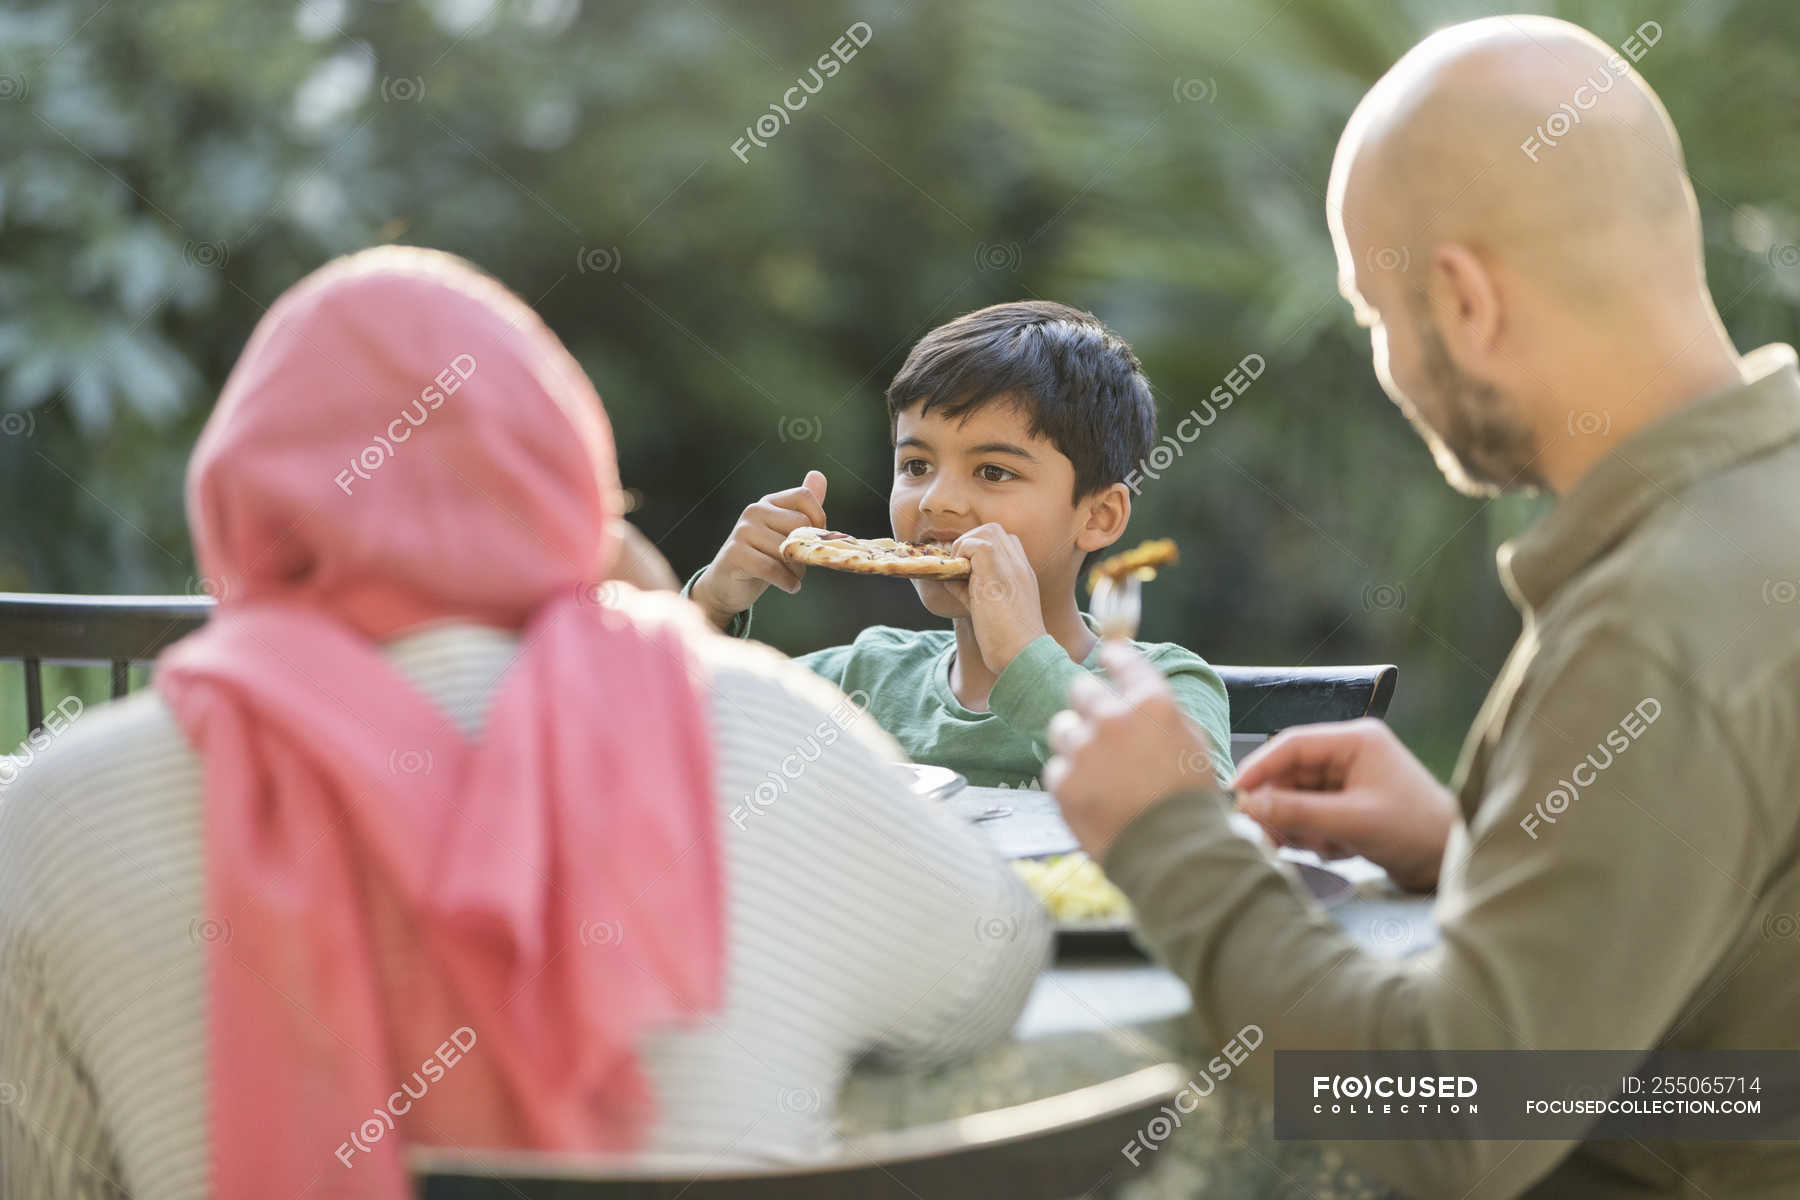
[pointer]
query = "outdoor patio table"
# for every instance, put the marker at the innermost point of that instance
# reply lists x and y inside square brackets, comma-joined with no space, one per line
[1098,1017]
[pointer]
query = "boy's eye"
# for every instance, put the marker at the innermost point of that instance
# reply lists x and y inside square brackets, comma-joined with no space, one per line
[994,474]
[914,467]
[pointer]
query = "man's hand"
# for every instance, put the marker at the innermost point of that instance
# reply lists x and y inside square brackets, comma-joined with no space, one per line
[1116,753]
[1351,788]
[750,560]
[1001,594]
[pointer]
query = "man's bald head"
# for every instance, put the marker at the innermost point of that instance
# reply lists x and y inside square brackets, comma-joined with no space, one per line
[1513,220]
[1525,136]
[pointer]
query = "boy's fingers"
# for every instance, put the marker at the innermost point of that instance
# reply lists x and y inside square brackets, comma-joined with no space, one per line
[982,536]
[767,539]
[964,546]
[803,501]
[785,518]
[815,483]
[769,569]
[1307,751]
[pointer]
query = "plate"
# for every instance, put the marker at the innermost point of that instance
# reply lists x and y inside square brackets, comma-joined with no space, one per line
[1113,936]
[1098,937]
[1328,887]
[933,783]
[1026,823]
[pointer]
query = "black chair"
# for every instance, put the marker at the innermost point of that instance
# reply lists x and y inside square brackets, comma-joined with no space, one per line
[1266,700]
[119,630]
[1062,1146]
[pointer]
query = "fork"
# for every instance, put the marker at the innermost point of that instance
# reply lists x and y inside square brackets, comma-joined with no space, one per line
[1118,604]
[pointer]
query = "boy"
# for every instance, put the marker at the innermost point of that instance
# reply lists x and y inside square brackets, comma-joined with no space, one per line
[1013,428]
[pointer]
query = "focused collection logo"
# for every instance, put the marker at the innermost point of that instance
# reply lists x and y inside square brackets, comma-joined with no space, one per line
[1387,1094]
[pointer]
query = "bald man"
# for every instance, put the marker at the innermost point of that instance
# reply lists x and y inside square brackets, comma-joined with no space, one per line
[1617,863]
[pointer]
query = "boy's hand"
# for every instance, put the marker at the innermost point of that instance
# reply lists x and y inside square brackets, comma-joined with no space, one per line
[750,560]
[1351,788]
[1001,594]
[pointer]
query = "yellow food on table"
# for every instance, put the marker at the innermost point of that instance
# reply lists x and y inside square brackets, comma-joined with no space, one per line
[1073,888]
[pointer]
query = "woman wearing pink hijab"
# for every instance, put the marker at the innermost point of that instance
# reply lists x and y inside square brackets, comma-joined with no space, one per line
[434,834]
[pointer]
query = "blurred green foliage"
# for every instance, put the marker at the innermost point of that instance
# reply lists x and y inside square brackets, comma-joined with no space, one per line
[167,169]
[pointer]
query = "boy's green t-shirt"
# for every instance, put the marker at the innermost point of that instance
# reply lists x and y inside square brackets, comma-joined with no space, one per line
[905,673]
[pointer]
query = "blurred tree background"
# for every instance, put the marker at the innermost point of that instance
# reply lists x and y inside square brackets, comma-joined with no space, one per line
[169,168]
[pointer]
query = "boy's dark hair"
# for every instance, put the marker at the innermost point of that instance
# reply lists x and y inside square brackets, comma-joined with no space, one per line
[1077,381]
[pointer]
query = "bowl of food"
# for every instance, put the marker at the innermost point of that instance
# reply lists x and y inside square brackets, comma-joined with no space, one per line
[1092,915]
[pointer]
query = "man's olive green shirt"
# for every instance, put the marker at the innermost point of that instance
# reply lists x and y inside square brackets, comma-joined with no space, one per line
[1625,875]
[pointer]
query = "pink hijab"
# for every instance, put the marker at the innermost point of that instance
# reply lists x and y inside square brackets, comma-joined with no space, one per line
[412,937]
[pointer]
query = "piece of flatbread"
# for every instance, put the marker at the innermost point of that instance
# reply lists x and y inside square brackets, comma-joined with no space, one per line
[871,556]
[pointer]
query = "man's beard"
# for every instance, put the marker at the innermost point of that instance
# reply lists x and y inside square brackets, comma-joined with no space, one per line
[1480,444]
